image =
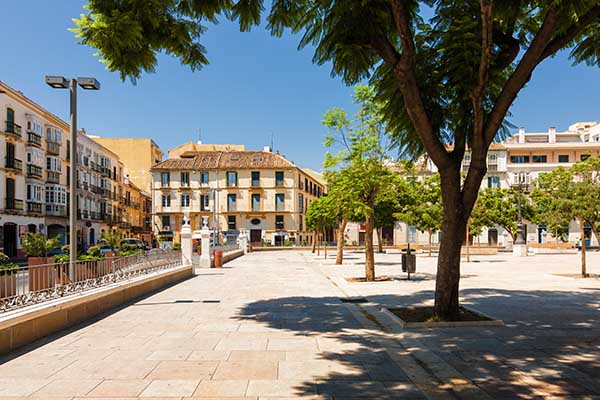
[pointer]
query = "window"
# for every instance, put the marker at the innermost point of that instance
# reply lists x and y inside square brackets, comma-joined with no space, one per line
[311,190]
[231,225]
[279,178]
[185,179]
[493,182]
[165,179]
[166,200]
[318,191]
[204,202]
[231,202]
[492,158]
[279,202]
[204,178]
[563,158]
[300,203]
[300,225]
[584,157]
[185,200]
[539,159]
[53,164]
[255,178]
[306,184]
[165,221]
[232,178]
[519,159]
[255,202]
[279,222]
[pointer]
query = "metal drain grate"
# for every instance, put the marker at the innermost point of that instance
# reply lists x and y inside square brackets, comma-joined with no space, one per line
[353,300]
[183,301]
[211,301]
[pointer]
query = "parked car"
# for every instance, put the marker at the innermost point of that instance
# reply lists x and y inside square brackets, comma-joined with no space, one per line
[136,242]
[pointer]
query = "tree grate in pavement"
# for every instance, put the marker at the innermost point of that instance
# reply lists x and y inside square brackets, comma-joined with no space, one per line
[353,300]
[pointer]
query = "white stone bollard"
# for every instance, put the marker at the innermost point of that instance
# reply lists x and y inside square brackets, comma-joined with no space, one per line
[205,256]
[519,250]
[243,241]
[186,242]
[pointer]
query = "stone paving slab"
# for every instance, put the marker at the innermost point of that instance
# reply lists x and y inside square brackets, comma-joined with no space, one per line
[279,331]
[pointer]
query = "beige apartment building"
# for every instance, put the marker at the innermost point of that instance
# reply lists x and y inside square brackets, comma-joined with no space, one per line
[138,155]
[233,190]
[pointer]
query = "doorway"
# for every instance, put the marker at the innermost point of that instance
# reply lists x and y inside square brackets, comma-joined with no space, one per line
[10,239]
[493,237]
[255,235]
[92,236]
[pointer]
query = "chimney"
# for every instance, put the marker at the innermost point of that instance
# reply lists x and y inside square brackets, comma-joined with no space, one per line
[267,149]
[552,135]
[521,135]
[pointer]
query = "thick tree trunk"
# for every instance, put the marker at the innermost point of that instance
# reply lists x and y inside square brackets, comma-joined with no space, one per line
[339,258]
[430,233]
[467,237]
[369,256]
[325,239]
[314,242]
[583,260]
[379,243]
[595,231]
[454,228]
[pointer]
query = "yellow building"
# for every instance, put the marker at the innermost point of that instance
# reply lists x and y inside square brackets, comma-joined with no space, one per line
[259,193]
[138,155]
[137,212]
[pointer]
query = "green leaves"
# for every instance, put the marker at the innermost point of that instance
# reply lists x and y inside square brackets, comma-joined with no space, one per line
[38,245]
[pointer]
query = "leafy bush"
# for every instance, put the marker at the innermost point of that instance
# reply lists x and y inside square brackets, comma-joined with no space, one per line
[128,247]
[6,266]
[176,246]
[94,251]
[62,258]
[113,238]
[38,245]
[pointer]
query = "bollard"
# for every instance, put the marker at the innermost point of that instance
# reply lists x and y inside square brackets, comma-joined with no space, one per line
[218,259]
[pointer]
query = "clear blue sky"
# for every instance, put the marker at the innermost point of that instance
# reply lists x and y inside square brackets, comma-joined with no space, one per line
[255,85]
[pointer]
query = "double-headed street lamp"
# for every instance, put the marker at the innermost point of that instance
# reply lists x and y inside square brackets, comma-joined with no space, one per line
[60,82]
[521,227]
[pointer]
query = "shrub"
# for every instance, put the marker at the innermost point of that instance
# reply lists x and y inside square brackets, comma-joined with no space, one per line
[94,251]
[38,245]
[62,258]
[128,247]
[176,246]
[6,266]
[113,238]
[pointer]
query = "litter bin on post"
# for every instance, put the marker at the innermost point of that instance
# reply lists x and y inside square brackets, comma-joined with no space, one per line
[218,259]
[409,262]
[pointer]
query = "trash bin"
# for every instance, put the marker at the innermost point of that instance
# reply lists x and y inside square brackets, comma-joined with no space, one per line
[409,261]
[218,262]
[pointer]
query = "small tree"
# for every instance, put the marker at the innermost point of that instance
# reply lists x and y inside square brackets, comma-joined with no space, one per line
[321,216]
[423,208]
[113,238]
[362,152]
[38,245]
[501,207]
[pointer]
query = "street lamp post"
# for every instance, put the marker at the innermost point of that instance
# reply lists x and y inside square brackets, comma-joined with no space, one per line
[60,82]
[520,225]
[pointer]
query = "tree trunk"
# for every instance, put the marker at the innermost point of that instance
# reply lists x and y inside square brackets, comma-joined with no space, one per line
[582,233]
[369,256]
[430,233]
[454,229]
[314,242]
[467,237]
[595,231]
[318,242]
[340,242]
[379,243]
[325,239]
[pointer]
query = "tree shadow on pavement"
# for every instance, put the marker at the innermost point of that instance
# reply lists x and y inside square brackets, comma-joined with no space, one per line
[549,346]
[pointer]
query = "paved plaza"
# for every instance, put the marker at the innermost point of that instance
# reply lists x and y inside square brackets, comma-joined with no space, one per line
[270,325]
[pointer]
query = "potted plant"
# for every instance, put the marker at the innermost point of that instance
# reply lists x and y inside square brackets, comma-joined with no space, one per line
[8,276]
[113,238]
[41,268]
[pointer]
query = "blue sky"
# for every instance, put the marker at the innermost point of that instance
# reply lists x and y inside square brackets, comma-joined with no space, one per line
[255,86]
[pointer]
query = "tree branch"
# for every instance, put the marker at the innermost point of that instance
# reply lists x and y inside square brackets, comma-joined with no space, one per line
[582,23]
[521,74]
[405,72]
[385,49]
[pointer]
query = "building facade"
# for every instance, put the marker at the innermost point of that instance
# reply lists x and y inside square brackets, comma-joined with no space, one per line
[138,155]
[257,192]
[34,178]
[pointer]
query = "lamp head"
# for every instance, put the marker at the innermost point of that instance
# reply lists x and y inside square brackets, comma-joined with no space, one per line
[88,83]
[57,82]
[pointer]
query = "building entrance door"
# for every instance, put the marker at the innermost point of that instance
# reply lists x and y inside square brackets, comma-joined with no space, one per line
[493,237]
[255,235]
[10,239]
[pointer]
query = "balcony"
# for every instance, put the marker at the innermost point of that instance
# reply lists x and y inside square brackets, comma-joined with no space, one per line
[34,139]
[106,172]
[53,148]
[94,215]
[14,164]
[13,129]
[34,207]
[56,210]
[13,204]
[33,171]
[53,177]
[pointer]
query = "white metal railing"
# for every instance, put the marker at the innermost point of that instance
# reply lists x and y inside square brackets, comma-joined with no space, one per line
[23,286]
